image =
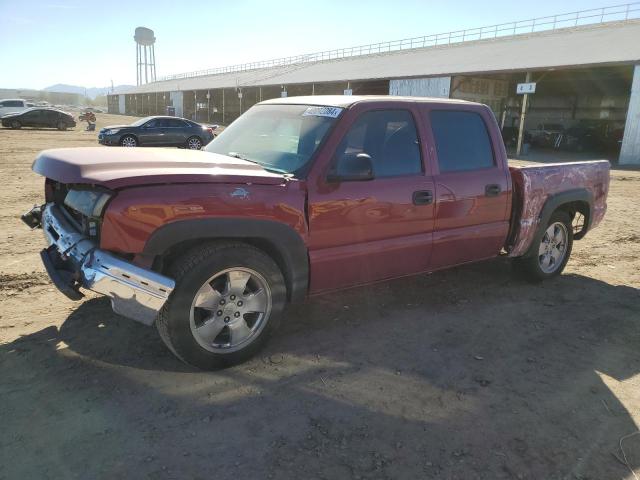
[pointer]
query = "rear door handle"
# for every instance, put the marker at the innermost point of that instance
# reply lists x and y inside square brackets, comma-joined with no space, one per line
[423,197]
[492,190]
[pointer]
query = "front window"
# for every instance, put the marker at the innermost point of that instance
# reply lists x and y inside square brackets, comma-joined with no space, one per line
[388,137]
[282,138]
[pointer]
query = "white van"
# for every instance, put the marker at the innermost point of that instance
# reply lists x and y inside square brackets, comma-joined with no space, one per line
[9,105]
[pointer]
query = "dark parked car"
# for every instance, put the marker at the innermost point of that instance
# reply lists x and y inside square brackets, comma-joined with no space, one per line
[39,117]
[158,132]
[594,136]
[547,135]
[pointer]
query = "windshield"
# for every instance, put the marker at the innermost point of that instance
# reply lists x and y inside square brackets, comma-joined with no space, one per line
[281,138]
[141,122]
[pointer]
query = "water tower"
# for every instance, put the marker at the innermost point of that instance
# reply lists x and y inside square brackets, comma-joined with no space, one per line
[145,55]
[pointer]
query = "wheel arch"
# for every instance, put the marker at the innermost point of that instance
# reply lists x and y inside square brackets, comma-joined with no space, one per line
[574,201]
[278,240]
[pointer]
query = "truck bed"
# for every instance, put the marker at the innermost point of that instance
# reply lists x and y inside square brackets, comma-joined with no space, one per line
[533,185]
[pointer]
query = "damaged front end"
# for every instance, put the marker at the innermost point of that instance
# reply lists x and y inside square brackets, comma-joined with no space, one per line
[73,261]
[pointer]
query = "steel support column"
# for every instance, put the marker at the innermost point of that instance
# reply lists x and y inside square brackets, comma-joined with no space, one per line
[523,113]
[630,151]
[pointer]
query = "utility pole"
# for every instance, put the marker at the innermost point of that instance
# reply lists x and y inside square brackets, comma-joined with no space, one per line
[523,112]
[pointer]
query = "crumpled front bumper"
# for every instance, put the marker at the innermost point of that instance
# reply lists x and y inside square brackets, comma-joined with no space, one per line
[73,261]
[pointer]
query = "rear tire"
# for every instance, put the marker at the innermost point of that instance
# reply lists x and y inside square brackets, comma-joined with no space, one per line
[128,141]
[549,257]
[193,143]
[16,125]
[211,320]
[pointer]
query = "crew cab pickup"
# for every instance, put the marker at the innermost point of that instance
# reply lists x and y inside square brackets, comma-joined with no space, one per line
[301,196]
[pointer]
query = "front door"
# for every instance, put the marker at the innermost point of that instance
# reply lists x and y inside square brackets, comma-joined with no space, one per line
[152,133]
[364,231]
[32,118]
[472,186]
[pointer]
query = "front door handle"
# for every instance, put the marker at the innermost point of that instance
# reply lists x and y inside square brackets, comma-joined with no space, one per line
[492,190]
[423,197]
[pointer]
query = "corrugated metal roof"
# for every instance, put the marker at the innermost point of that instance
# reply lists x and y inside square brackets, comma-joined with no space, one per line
[601,44]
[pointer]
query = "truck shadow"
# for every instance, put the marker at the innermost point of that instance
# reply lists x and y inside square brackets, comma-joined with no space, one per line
[461,374]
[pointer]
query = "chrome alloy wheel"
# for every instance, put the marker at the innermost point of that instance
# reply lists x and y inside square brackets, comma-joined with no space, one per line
[230,310]
[128,142]
[553,247]
[194,144]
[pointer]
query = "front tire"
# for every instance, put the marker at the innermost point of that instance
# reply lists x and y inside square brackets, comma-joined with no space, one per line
[227,302]
[62,126]
[550,256]
[16,125]
[128,141]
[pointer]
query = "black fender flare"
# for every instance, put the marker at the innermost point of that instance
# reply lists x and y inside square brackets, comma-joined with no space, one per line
[556,201]
[282,240]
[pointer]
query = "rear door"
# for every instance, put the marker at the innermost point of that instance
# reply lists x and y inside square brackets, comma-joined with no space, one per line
[50,118]
[472,184]
[177,131]
[364,231]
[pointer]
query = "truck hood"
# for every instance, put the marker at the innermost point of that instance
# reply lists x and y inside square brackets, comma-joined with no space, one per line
[116,167]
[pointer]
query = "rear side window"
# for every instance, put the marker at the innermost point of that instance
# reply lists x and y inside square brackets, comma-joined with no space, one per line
[389,137]
[175,123]
[50,114]
[462,141]
[12,103]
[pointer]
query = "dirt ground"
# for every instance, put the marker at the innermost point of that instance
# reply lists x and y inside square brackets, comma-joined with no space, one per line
[467,373]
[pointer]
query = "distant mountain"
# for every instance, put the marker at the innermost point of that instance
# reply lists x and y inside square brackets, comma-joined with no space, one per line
[90,92]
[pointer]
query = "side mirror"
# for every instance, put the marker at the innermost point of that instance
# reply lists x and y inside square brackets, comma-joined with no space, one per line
[352,168]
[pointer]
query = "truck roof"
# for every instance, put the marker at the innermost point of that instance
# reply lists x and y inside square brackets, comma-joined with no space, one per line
[345,101]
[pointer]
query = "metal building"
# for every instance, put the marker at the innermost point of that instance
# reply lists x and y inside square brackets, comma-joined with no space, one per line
[585,66]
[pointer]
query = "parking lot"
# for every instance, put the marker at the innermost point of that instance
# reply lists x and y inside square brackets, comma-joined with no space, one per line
[468,373]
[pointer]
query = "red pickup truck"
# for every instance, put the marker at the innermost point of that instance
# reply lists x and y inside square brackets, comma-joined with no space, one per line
[301,196]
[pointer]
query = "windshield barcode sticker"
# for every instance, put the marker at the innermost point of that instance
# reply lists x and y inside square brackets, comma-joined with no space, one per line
[331,112]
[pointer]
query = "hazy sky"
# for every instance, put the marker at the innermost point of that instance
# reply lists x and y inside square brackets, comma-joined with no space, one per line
[91,43]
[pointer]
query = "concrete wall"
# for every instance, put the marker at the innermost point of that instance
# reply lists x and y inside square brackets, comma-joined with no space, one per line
[178,102]
[630,152]
[421,87]
[121,107]
[491,92]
